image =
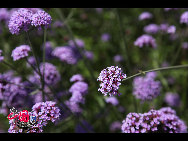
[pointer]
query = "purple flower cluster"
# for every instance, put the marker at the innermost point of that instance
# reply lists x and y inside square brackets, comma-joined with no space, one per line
[145,40]
[20,52]
[66,54]
[110,79]
[115,126]
[48,50]
[105,37]
[51,74]
[1,57]
[4,14]
[151,28]
[80,43]
[172,99]
[164,120]
[41,19]
[185,45]
[112,100]
[145,15]
[89,55]
[146,88]
[44,112]
[78,90]
[23,18]
[118,58]
[184,18]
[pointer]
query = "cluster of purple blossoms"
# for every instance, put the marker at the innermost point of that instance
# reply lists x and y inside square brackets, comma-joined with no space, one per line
[20,52]
[184,18]
[44,112]
[1,57]
[171,29]
[48,50]
[41,19]
[51,74]
[89,55]
[164,120]
[110,79]
[112,100]
[23,18]
[58,24]
[66,54]
[78,90]
[172,99]
[80,43]
[105,37]
[145,15]
[185,45]
[76,77]
[151,29]
[31,61]
[146,88]
[145,40]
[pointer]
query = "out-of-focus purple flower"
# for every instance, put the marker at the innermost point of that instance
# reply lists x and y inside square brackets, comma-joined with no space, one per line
[115,126]
[80,43]
[171,29]
[20,52]
[154,121]
[74,107]
[48,50]
[76,77]
[110,79]
[172,99]
[164,27]
[145,40]
[184,18]
[118,58]
[89,55]
[168,9]
[79,86]
[1,57]
[41,19]
[51,74]
[151,28]
[77,97]
[146,88]
[66,54]
[112,100]
[85,127]
[99,10]
[105,37]
[20,20]
[185,45]
[31,61]
[145,15]
[58,24]
[4,14]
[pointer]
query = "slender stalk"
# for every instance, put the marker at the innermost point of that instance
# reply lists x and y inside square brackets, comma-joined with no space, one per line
[157,69]
[121,30]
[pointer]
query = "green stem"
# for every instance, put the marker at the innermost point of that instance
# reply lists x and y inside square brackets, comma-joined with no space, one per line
[157,69]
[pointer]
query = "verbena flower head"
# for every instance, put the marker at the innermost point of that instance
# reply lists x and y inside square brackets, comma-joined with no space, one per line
[80,43]
[74,107]
[185,45]
[172,99]
[105,37]
[115,126]
[48,50]
[154,121]
[1,57]
[89,55]
[151,28]
[110,79]
[146,88]
[79,86]
[20,20]
[51,74]
[20,52]
[66,54]
[41,19]
[77,97]
[76,77]
[112,100]
[171,29]
[145,15]
[184,18]
[145,40]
